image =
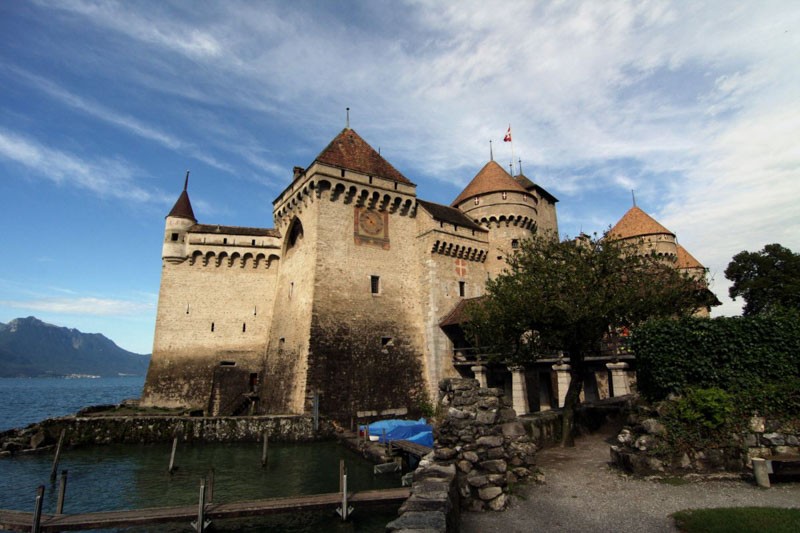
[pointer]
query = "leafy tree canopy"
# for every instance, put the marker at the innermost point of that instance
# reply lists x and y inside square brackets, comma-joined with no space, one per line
[568,295]
[767,280]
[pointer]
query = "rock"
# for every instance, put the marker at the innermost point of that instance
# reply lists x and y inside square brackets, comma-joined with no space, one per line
[751,440]
[757,424]
[490,402]
[457,413]
[475,505]
[444,454]
[498,479]
[490,441]
[521,472]
[684,461]
[470,456]
[643,443]
[496,453]
[489,493]
[486,417]
[37,439]
[775,439]
[625,436]
[498,504]
[464,466]
[478,481]
[652,426]
[513,429]
[507,415]
[787,450]
[792,440]
[495,466]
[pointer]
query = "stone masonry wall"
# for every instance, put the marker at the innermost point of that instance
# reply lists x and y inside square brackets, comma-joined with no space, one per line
[482,437]
[88,430]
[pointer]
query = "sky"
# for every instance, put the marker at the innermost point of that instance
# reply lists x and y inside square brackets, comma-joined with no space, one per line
[104,106]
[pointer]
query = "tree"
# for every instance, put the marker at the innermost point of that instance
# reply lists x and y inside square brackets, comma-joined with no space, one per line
[767,280]
[568,296]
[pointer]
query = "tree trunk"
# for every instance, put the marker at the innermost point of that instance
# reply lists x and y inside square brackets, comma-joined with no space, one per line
[570,403]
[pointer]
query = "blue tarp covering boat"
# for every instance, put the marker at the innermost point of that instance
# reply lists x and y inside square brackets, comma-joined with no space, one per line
[417,431]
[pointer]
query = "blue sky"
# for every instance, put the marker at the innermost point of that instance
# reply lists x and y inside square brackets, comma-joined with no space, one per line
[105,105]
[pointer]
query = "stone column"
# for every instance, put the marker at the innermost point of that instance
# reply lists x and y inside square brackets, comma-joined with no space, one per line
[563,378]
[519,390]
[619,379]
[480,375]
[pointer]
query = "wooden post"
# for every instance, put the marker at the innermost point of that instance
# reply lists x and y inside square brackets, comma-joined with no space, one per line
[172,455]
[210,486]
[345,510]
[37,510]
[62,492]
[385,442]
[342,472]
[264,448]
[201,524]
[366,433]
[761,472]
[58,455]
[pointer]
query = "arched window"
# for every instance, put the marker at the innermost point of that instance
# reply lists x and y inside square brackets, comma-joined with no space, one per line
[295,233]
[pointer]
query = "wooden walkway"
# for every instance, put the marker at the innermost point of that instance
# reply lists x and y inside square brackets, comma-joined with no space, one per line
[21,521]
[412,448]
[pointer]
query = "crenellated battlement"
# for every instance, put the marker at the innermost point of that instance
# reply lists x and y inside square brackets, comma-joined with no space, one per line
[459,251]
[232,260]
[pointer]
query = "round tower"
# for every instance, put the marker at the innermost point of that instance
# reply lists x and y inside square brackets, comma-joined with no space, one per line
[497,202]
[177,225]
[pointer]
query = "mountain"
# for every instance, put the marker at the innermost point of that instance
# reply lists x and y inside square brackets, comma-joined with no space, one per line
[32,348]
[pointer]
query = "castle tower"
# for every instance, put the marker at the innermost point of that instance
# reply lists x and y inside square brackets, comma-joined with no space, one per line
[499,203]
[648,236]
[346,323]
[177,224]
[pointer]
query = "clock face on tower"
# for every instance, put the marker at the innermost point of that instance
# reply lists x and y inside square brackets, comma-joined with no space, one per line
[371,227]
[370,222]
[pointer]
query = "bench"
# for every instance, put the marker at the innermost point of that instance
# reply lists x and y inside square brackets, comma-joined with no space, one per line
[783,464]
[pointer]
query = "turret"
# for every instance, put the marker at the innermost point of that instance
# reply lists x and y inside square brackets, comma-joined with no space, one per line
[497,202]
[177,225]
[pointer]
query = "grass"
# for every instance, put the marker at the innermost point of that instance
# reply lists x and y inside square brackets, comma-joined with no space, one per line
[739,520]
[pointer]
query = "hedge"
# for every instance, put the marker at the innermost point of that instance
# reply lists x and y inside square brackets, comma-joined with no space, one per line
[730,353]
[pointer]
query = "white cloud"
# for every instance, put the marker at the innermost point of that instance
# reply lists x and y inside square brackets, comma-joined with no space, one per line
[103,176]
[82,306]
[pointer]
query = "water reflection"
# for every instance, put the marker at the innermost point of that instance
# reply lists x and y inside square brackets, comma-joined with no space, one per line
[131,476]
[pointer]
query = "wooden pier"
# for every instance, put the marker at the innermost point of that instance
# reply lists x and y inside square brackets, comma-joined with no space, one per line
[412,448]
[21,521]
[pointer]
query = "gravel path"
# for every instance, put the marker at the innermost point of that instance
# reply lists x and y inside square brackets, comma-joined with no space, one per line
[583,493]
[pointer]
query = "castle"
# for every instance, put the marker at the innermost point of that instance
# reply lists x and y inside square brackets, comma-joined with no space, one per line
[354,299]
[342,300]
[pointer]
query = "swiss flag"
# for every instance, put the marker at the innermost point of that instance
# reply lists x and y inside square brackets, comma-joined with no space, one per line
[507,138]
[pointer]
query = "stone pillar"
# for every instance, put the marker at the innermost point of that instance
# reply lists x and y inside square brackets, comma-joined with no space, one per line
[519,390]
[619,379]
[563,379]
[480,375]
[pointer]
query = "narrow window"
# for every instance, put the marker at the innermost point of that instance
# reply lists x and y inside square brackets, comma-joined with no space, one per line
[253,242]
[515,243]
[212,327]
[462,288]
[227,363]
[395,185]
[244,327]
[524,197]
[174,237]
[370,180]
[187,309]
[291,289]
[342,172]
[225,240]
[477,200]
[387,341]
[505,195]
[375,284]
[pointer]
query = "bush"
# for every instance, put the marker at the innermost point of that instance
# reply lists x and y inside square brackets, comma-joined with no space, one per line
[701,418]
[730,353]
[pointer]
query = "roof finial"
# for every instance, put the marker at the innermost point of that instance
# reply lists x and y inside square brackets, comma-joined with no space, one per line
[511,169]
[520,166]
[633,196]
[347,125]
[186,182]
[491,154]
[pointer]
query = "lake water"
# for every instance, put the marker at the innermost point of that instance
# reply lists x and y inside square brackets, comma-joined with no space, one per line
[135,476]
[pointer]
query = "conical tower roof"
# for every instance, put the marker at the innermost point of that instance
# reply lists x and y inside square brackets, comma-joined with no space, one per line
[686,260]
[636,223]
[523,180]
[348,150]
[491,178]
[183,207]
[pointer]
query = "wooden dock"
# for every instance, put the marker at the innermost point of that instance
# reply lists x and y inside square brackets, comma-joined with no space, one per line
[412,448]
[21,521]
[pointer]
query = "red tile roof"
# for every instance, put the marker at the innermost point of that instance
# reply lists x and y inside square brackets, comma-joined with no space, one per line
[458,314]
[450,214]
[636,223]
[491,178]
[234,230]
[686,260]
[348,150]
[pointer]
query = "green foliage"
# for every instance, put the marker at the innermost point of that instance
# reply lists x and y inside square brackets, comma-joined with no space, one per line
[741,519]
[567,295]
[731,353]
[767,280]
[701,418]
[777,401]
